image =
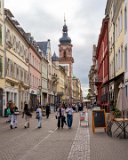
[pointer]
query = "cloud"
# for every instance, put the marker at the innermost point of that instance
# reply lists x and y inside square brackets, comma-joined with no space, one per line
[44,19]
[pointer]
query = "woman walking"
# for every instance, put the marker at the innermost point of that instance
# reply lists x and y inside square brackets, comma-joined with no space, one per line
[27,114]
[14,113]
[69,112]
[39,116]
[47,110]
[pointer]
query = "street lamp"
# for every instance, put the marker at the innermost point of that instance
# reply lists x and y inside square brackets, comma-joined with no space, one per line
[54,101]
[40,88]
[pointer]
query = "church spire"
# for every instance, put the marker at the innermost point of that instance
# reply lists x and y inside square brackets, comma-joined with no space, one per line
[65,38]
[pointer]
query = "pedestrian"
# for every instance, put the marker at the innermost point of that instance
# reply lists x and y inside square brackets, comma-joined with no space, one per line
[82,106]
[27,115]
[14,113]
[69,112]
[8,113]
[39,116]
[60,116]
[47,110]
[64,117]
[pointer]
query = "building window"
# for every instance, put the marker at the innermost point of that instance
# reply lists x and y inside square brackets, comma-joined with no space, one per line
[0,35]
[118,58]
[126,56]
[0,5]
[121,56]
[116,34]
[33,60]
[17,72]
[126,90]
[121,21]
[116,66]
[64,54]
[118,26]
[1,66]
[125,19]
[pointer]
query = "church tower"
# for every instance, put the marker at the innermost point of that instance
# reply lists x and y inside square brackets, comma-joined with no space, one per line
[65,56]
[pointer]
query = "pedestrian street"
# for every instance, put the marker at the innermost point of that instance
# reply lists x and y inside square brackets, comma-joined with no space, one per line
[50,143]
[46,143]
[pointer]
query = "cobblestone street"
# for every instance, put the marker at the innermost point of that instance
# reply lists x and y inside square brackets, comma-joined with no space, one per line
[49,143]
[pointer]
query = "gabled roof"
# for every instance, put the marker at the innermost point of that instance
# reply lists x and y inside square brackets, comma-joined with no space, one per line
[8,12]
[43,46]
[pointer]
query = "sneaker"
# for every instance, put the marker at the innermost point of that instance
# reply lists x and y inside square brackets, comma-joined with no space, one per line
[39,127]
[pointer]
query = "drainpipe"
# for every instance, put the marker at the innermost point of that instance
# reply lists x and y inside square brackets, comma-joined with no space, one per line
[114,63]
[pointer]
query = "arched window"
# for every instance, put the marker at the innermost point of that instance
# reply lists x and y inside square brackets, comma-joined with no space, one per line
[64,54]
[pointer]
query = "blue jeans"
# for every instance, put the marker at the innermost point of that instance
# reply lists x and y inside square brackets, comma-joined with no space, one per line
[39,122]
[69,120]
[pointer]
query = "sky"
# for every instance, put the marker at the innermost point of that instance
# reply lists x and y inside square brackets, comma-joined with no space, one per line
[44,19]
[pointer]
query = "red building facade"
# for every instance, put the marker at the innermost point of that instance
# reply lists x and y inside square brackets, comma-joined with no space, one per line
[102,56]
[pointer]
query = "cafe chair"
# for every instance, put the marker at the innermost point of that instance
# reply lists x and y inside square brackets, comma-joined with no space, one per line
[109,123]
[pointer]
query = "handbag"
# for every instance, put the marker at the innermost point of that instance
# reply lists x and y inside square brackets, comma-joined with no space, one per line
[37,115]
[8,112]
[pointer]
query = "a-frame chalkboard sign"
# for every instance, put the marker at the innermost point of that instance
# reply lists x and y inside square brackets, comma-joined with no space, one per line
[98,119]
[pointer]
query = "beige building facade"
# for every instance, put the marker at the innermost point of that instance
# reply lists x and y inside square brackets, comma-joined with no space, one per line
[16,86]
[2,51]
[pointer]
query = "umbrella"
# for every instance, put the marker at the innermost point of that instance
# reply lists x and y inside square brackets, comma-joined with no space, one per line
[122,103]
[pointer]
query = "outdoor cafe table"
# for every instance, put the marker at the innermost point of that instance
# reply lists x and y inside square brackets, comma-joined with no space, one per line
[121,123]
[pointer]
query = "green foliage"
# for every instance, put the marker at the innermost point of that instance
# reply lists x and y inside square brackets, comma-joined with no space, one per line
[116,112]
[88,96]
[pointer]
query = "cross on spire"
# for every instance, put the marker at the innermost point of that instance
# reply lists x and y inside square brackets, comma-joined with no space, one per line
[64,19]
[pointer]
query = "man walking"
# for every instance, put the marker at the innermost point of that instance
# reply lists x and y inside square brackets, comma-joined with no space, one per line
[69,112]
[60,116]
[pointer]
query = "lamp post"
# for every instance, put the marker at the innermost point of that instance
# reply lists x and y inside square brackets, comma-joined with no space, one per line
[54,82]
[54,101]
[40,88]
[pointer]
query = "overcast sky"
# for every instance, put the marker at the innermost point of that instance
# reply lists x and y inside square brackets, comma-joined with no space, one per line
[44,19]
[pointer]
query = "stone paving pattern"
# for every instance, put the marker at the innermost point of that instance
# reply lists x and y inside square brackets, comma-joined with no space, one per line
[80,149]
